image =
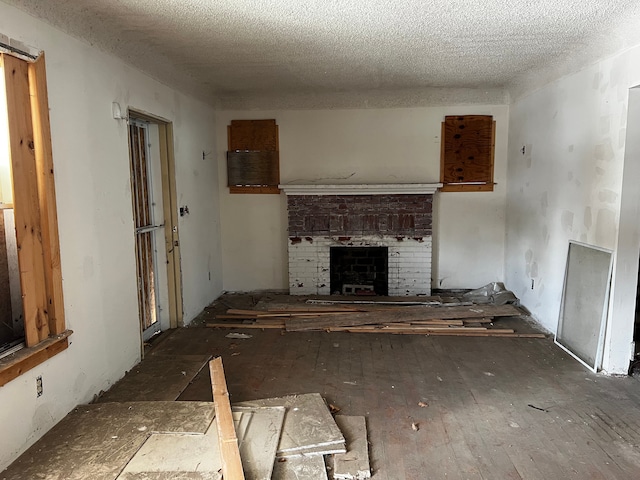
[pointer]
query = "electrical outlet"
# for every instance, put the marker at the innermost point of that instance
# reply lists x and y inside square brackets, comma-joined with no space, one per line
[39,388]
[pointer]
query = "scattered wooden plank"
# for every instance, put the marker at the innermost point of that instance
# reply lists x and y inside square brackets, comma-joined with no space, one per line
[224,316]
[486,333]
[227,440]
[391,328]
[249,313]
[262,314]
[351,300]
[407,314]
[242,325]
[310,309]
[477,320]
[459,323]
[279,321]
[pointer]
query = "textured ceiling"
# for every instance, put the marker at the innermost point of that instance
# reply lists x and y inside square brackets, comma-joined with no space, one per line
[250,48]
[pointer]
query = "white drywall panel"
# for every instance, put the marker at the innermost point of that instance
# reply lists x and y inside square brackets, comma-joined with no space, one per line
[95,220]
[567,185]
[363,146]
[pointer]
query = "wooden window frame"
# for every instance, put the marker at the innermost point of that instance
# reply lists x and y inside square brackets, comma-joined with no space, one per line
[470,186]
[232,146]
[35,215]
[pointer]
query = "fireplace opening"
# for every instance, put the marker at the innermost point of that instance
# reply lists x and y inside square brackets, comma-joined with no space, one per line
[359,270]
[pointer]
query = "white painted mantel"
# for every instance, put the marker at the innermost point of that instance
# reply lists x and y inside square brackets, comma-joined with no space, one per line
[361,189]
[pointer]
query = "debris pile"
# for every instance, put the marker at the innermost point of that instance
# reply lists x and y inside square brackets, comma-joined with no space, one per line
[397,315]
[295,434]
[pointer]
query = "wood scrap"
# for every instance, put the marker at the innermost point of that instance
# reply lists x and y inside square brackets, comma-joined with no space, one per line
[353,465]
[227,440]
[311,309]
[309,428]
[486,333]
[397,317]
[407,314]
[351,300]
[419,330]
[244,325]
[436,321]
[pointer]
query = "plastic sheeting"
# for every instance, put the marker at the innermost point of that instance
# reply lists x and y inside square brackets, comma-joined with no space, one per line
[494,293]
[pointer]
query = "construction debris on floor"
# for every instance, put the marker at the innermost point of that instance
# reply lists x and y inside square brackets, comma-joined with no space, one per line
[459,316]
[276,438]
[304,435]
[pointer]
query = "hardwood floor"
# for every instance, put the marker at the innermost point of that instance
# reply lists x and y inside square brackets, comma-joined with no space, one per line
[498,408]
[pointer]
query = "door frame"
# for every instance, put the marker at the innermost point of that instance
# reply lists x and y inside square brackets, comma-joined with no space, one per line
[170,210]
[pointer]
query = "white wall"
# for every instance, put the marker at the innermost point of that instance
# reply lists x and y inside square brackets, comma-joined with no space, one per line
[567,185]
[364,146]
[96,227]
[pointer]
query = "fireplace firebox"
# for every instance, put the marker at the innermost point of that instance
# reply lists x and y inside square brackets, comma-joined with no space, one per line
[357,268]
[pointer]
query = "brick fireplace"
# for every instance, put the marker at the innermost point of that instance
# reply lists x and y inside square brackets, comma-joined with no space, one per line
[397,217]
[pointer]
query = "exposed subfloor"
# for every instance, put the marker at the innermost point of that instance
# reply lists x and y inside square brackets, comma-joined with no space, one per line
[497,408]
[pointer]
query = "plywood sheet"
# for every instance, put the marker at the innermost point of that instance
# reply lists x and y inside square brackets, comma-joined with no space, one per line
[176,453]
[300,468]
[258,431]
[157,378]
[467,149]
[353,465]
[307,423]
[163,455]
[96,441]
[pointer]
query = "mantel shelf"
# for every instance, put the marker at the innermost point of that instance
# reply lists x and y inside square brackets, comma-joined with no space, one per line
[362,189]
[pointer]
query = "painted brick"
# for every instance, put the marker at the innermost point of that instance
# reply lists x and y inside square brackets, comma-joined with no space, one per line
[409,264]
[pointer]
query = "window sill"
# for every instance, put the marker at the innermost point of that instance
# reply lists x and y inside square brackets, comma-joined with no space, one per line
[14,365]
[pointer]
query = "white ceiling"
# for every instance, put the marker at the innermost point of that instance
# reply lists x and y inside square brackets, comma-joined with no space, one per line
[250,48]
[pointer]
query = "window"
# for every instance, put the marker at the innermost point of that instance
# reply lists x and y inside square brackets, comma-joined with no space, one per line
[253,159]
[25,107]
[467,151]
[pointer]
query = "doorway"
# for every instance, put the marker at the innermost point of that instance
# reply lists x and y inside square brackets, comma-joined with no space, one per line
[155,222]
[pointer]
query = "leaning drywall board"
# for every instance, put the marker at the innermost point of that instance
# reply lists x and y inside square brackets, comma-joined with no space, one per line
[585,298]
